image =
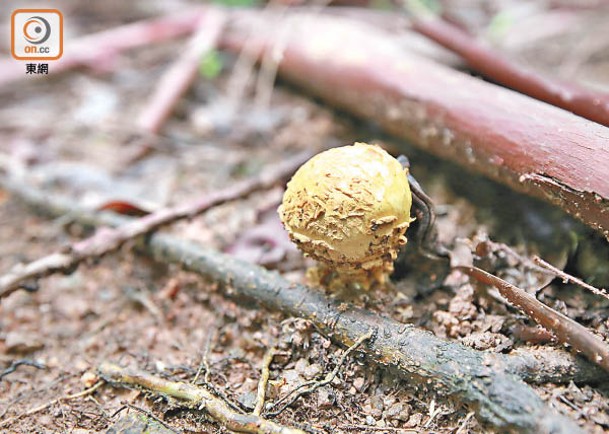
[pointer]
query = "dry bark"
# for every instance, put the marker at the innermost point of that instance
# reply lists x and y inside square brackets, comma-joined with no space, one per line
[488,382]
[529,145]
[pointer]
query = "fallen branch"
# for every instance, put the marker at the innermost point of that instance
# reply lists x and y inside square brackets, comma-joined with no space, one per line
[177,79]
[569,96]
[106,240]
[196,396]
[526,144]
[482,380]
[565,329]
[487,381]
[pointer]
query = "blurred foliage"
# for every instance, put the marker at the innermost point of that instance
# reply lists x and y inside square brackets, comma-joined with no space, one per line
[237,3]
[384,5]
[423,7]
[432,6]
[500,25]
[211,64]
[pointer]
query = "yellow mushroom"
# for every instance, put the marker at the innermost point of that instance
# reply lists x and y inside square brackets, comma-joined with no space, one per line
[349,208]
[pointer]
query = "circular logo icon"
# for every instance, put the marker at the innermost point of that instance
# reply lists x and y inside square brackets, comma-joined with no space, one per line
[36,30]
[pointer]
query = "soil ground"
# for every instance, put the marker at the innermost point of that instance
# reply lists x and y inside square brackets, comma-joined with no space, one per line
[75,138]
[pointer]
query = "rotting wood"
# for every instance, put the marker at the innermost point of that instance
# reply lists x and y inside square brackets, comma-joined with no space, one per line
[531,146]
[487,381]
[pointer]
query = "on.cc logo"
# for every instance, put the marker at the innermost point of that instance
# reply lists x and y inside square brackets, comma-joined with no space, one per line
[36,30]
[36,34]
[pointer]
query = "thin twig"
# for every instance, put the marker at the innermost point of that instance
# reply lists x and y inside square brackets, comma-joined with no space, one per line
[264,380]
[466,420]
[23,362]
[269,64]
[152,416]
[311,386]
[433,412]
[197,396]
[142,297]
[90,390]
[568,278]
[119,410]
[565,329]
[207,376]
[364,428]
[106,240]
[207,380]
[32,392]
[510,251]
[205,361]
[177,79]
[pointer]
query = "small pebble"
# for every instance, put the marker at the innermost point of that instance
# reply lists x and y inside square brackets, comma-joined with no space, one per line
[324,398]
[358,383]
[248,399]
[301,366]
[88,379]
[398,411]
[376,404]
[312,371]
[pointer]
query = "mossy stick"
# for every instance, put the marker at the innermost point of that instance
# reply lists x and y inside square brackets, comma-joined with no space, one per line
[196,396]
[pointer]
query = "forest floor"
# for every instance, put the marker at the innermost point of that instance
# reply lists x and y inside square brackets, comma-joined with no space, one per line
[71,136]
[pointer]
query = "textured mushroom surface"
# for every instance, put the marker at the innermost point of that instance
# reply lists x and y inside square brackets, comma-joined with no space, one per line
[349,208]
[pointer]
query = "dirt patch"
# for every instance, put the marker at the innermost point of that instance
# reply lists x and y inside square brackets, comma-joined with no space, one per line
[136,312]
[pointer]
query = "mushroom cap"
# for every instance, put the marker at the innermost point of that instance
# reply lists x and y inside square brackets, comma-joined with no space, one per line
[349,208]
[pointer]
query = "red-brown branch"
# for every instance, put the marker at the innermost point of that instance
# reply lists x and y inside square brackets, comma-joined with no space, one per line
[565,329]
[526,144]
[106,240]
[483,59]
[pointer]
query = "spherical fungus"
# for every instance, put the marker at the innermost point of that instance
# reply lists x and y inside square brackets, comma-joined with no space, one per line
[349,208]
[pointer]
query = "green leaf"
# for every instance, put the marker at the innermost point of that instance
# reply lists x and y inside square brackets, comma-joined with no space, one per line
[211,64]
[500,25]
